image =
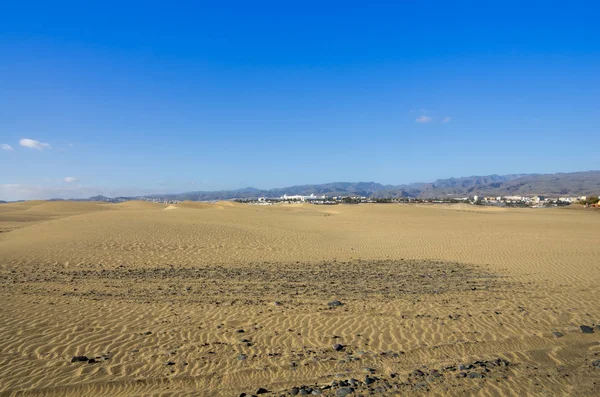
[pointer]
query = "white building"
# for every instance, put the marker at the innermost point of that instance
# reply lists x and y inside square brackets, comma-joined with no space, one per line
[302,198]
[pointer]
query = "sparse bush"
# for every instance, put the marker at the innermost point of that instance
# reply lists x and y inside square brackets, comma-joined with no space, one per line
[590,200]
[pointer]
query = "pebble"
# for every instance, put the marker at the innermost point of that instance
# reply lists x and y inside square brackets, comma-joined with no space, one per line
[335,303]
[557,334]
[337,347]
[261,390]
[475,375]
[369,380]
[79,359]
[586,329]
[344,391]
[242,357]
[596,364]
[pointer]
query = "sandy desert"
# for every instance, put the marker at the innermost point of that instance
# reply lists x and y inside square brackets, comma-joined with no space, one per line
[143,299]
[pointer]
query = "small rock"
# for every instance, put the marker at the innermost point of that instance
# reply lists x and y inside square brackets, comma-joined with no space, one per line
[586,329]
[79,359]
[557,334]
[242,357]
[475,375]
[344,391]
[170,363]
[369,380]
[261,390]
[338,347]
[148,333]
[596,363]
[92,361]
[294,391]
[335,303]
[240,331]
[417,372]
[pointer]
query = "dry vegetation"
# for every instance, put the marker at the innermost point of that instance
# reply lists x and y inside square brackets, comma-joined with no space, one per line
[222,299]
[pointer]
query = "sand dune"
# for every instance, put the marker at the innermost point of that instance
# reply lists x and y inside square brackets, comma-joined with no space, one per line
[233,297]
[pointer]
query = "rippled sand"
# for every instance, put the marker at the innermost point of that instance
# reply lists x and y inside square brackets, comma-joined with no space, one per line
[157,295]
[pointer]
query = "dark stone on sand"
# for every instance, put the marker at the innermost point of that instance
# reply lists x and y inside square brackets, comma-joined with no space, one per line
[557,334]
[79,359]
[338,347]
[335,303]
[596,364]
[475,375]
[261,390]
[240,331]
[417,372]
[344,391]
[170,363]
[92,361]
[586,329]
[369,380]
[148,333]
[242,357]
[294,391]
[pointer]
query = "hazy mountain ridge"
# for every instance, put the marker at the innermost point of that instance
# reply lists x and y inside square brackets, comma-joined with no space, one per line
[560,184]
[553,185]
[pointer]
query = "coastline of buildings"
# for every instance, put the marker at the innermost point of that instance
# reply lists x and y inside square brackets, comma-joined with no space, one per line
[498,201]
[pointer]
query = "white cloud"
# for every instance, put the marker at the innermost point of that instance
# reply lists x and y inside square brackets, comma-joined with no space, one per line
[70,179]
[39,192]
[4,146]
[423,119]
[15,191]
[33,144]
[447,119]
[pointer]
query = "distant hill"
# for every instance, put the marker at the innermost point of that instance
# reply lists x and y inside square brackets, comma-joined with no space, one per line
[552,185]
[562,184]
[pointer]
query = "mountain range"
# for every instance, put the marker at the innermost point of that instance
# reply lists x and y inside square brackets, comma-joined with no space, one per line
[560,184]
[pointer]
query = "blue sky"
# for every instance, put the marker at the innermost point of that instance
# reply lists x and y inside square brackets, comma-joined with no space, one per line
[144,97]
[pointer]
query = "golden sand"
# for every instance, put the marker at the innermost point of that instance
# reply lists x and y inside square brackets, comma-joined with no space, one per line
[157,298]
